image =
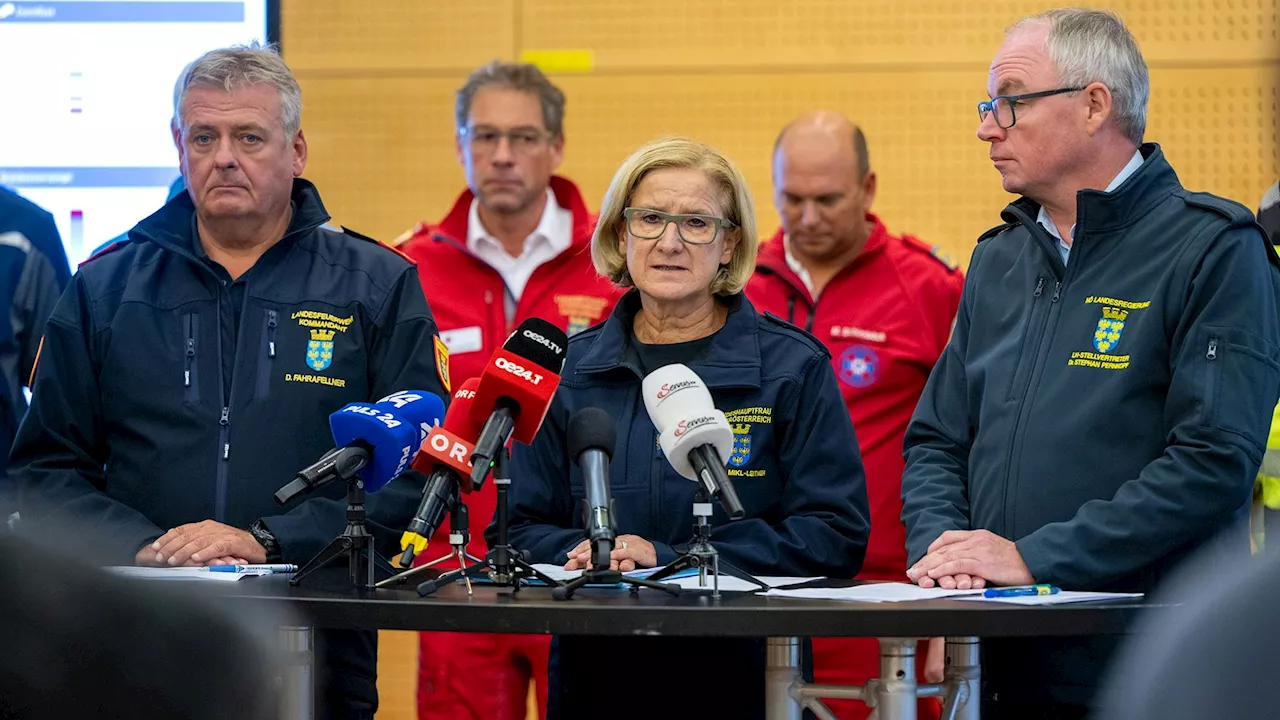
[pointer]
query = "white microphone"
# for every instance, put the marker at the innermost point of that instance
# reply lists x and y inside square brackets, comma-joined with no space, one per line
[694,435]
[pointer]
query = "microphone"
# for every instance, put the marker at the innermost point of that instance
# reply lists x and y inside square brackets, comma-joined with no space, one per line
[375,439]
[441,461]
[515,390]
[694,435]
[591,438]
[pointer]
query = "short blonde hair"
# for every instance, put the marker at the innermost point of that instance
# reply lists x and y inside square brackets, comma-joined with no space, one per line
[678,152]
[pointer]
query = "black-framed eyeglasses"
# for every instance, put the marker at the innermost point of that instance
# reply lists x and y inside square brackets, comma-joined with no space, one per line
[487,139]
[1004,105]
[693,228]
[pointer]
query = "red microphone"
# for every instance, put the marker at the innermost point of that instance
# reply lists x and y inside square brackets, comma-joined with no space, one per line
[515,391]
[444,458]
[451,444]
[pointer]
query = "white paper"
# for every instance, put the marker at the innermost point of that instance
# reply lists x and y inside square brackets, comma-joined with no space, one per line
[558,573]
[1059,598]
[728,583]
[180,573]
[872,592]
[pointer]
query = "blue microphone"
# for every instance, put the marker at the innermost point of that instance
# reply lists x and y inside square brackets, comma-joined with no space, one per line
[376,440]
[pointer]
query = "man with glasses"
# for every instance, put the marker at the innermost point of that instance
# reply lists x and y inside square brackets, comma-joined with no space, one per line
[883,305]
[515,245]
[1103,405]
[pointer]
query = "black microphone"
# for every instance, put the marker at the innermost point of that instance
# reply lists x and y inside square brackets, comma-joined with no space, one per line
[591,437]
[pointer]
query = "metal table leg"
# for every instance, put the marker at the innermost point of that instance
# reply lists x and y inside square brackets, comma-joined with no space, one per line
[895,690]
[297,681]
[781,672]
[963,679]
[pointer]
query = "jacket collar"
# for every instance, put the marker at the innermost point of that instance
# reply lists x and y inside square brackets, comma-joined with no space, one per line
[173,226]
[733,360]
[773,254]
[568,196]
[1103,212]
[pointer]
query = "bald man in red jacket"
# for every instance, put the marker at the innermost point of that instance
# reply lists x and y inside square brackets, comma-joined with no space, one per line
[883,304]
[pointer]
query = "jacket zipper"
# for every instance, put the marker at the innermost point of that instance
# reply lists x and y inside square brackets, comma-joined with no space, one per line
[812,310]
[190,381]
[1014,434]
[1210,384]
[266,364]
[224,423]
[1022,347]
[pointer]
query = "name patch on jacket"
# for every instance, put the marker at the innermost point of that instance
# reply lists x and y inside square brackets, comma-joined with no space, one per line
[741,422]
[1107,334]
[582,311]
[845,332]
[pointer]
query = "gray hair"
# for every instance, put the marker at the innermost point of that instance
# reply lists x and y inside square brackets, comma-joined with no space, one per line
[240,66]
[1088,46]
[513,76]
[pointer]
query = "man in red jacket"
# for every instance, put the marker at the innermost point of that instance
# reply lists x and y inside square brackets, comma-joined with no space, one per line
[515,245]
[883,304]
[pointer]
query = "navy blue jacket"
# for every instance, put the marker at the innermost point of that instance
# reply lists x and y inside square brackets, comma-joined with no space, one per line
[1110,415]
[801,482]
[17,214]
[149,410]
[33,273]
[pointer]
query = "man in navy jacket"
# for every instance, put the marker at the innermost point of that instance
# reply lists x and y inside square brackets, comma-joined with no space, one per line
[1103,405]
[33,273]
[188,373]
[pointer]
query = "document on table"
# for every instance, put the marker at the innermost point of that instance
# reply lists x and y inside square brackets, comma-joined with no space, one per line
[180,573]
[687,579]
[872,592]
[1059,598]
[558,573]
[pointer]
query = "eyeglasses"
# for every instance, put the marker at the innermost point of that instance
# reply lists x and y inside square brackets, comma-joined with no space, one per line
[694,229]
[1003,105]
[487,139]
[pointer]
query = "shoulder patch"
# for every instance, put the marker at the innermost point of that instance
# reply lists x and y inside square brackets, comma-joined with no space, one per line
[348,231]
[1229,209]
[104,251]
[799,332]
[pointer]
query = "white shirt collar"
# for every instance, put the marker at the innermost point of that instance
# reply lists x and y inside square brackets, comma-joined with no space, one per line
[555,227]
[552,236]
[1130,168]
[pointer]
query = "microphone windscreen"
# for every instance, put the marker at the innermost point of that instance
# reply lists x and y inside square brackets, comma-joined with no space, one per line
[591,429]
[673,393]
[419,408]
[540,342]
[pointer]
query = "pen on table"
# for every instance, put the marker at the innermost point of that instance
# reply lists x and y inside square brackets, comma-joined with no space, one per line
[252,568]
[1020,591]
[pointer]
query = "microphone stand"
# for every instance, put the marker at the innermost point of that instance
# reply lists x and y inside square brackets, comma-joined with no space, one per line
[701,554]
[355,542]
[599,572]
[459,539]
[503,564]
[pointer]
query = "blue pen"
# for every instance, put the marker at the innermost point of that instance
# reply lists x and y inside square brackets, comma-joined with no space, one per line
[1021,591]
[252,568]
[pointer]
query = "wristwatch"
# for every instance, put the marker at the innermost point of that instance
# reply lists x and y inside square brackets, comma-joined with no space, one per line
[263,535]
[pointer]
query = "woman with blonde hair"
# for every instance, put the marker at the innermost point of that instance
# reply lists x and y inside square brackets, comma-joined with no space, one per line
[678,229]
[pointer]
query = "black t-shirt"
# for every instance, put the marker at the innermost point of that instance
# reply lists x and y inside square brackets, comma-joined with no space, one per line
[651,357]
